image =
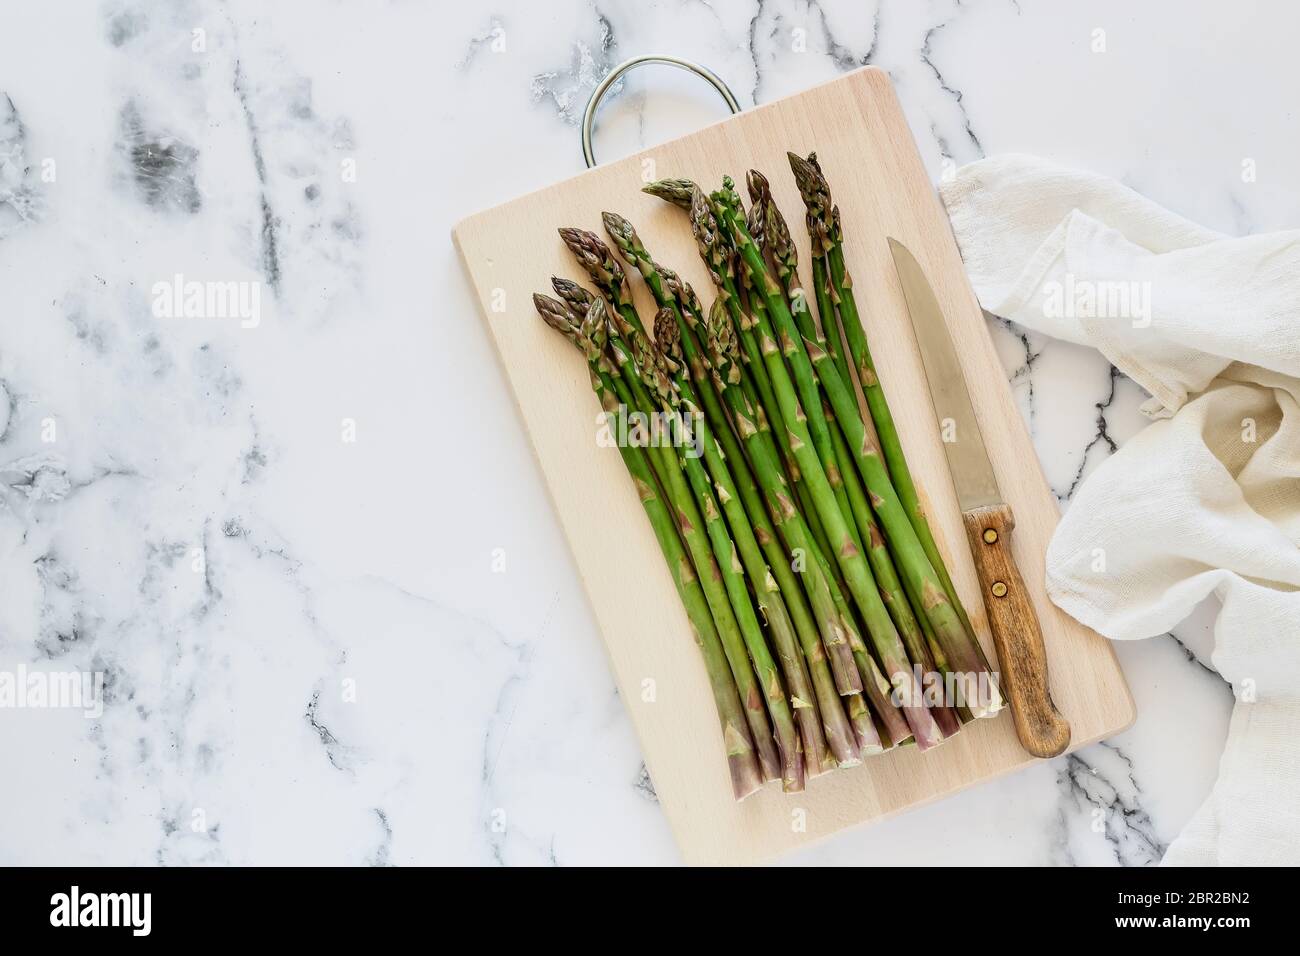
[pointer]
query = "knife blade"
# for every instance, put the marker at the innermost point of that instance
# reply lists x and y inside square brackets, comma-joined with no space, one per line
[989,520]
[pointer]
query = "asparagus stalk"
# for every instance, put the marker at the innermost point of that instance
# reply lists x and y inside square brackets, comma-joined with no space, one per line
[690,337]
[829,236]
[740,499]
[605,272]
[718,257]
[776,241]
[849,557]
[790,526]
[658,374]
[634,252]
[826,309]
[737,508]
[632,391]
[780,246]
[746,776]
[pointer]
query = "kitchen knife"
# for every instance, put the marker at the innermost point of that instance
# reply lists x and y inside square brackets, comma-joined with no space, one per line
[988,519]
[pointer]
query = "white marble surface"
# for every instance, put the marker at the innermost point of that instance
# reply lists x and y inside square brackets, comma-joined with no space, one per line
[199,530]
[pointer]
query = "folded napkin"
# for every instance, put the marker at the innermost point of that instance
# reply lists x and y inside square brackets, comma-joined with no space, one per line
[1206,499]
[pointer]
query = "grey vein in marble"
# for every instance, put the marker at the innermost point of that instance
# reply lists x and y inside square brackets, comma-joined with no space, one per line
[19,194]
[566,89]
[1100,780]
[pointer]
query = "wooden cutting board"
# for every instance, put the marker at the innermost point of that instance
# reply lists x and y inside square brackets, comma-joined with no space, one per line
[857,128]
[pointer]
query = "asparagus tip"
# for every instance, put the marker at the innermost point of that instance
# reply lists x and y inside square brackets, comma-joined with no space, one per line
[812,184]
[667,335]
[624,236]
[676,191]
[555,314]
[575,296]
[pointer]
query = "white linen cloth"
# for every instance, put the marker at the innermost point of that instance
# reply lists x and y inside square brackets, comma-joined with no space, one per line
[1206,499]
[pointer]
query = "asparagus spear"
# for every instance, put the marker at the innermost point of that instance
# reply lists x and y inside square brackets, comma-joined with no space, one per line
[829,237]
[635,353]
[746,776]
[605,272]
[689,337]
[718,257]
[776,241]
[789,525]
[785,256]
[644,368]
[668,339]
[850,558]
[632,391]
[740,500]
[685,194]
[634,252]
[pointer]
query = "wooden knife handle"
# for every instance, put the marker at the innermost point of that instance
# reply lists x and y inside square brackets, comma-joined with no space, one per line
[1021,656]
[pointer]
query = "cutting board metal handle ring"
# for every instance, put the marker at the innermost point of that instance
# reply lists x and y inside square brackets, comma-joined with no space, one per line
[613,76]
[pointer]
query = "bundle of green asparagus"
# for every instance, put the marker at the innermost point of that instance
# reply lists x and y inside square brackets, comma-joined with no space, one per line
[788,518]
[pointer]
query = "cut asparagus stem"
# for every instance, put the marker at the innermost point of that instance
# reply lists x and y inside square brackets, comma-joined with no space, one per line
[746,776]
[876,688]
[891,723]
[864,727]
[891,589]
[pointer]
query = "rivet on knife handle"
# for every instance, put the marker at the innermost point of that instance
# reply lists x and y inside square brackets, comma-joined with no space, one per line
[1021,655]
